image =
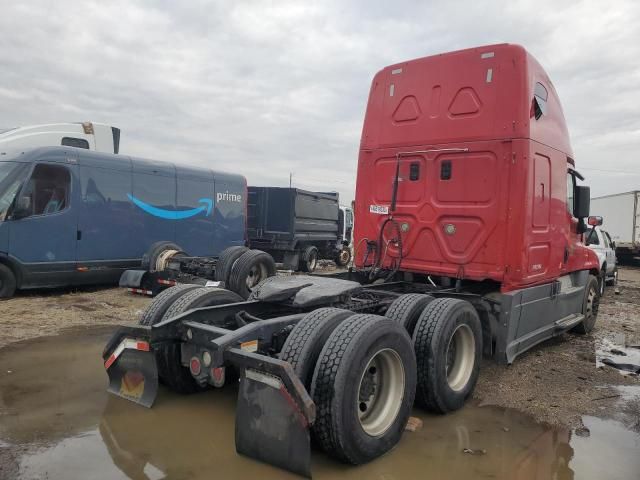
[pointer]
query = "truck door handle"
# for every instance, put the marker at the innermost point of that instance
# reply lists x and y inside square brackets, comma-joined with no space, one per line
[79,235]
[566,254]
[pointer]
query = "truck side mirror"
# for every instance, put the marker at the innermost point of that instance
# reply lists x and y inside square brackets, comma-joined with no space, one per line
[594,221]
[22,208]
[582,201]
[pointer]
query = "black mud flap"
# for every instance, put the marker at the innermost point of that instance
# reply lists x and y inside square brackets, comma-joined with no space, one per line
[271,426]
[132,371]
[132,278]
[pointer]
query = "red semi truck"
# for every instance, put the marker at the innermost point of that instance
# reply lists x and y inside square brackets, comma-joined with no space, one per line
[468,227]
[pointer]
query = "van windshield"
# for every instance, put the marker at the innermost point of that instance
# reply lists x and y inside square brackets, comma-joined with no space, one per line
[12,175]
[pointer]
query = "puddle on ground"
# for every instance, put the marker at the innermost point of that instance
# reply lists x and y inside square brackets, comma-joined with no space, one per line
[54,407]
[616,353]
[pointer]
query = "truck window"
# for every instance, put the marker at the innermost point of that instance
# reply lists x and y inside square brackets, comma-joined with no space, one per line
[570,187]
[11,177]
[48,189]
[608,239]
[75,142]
[540,96]
[592,237]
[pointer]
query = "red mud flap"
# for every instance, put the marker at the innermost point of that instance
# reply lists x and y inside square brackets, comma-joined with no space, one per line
[132,371]
[273,414]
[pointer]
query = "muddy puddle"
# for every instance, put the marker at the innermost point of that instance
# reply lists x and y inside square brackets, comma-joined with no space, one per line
[58,422]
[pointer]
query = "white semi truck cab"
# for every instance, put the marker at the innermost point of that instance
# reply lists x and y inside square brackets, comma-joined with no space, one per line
[87,135]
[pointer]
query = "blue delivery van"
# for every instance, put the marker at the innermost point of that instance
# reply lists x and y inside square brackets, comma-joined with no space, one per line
[70,216]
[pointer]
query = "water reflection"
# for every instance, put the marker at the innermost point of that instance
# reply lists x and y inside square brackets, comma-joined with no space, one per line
[55,407]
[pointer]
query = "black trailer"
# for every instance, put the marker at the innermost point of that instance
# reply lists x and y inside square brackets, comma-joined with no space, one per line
[297,227]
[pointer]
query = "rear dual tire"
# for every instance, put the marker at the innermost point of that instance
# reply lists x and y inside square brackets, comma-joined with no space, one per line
[170,303]
[448,346]
[363,387]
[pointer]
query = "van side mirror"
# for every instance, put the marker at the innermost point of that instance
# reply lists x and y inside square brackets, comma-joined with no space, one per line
[594,221]
[582,201]
[22,208]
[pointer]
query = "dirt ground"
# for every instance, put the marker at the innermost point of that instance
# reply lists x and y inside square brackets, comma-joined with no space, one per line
[556,382]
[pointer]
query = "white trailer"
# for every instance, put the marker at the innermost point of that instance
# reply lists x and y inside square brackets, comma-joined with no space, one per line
[621,214]
[88,135]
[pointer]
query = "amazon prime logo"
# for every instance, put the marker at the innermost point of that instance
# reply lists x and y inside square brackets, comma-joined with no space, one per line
[228,197]
[206,207]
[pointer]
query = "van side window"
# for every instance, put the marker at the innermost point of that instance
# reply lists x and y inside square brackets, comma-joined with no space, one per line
[75,142]
[48,189]
[570,187]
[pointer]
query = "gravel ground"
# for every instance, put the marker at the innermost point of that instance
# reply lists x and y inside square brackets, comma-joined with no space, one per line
[556,382]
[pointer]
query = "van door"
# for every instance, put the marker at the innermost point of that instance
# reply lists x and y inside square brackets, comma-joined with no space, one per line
[106,244]
[154,203]
[44,240]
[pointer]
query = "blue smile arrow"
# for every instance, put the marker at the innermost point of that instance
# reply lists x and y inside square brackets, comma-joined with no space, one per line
[173,214]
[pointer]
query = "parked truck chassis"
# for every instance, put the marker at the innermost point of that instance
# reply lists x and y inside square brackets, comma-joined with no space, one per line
[276,412]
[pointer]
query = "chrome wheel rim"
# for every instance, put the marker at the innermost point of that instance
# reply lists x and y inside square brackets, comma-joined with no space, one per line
[257,273]
[380,392]
[313,260]
[344,257]
[460,355]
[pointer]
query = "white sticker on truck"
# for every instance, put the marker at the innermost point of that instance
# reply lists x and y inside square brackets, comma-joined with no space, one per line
[379,209]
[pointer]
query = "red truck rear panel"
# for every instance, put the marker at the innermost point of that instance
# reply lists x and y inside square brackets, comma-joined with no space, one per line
[484,195]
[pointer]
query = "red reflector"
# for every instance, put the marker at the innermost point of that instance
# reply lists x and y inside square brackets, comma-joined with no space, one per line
[144,346]
[109,362]
[194,366]
[217,373]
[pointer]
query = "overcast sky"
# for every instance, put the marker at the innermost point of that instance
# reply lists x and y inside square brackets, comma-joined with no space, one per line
[267,88]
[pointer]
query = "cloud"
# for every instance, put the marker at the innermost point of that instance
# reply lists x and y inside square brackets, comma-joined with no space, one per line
[267,88]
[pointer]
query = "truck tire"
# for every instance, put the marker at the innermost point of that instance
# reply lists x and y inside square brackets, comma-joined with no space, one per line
[150,259]
[344,257]
[363,387]
[7,282]
[613,281]
[304,344]
[406,309]
[590,305]
[170,369]
[602,279]
[448,345]
[249,270]
[226,260]
[201,297]
[309,259]
[160,304]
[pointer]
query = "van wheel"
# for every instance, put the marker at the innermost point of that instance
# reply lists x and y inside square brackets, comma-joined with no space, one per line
[226,260]
[304,344]
[309,260]
[613,281]
[590,306]
[448,345]
[406,309]
[363,387]
[7,282]
[174,375]
[249,270]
